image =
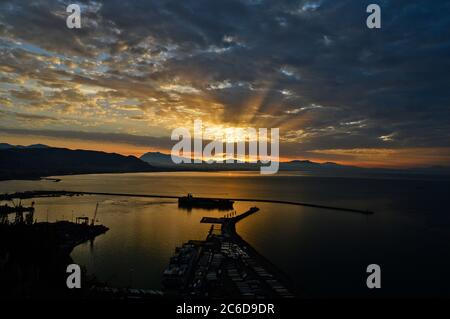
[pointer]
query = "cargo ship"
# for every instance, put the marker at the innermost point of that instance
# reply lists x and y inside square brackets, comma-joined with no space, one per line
[190,201]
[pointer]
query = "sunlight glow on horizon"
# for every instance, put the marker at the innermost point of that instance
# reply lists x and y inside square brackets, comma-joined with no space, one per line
[370,158]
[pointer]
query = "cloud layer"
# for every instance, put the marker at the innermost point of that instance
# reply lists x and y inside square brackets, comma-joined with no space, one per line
[311,68]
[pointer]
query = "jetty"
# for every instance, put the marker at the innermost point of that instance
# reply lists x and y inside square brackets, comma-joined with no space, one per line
[224,266]
[229,218]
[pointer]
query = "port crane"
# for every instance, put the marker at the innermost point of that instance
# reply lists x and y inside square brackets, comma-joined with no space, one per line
[18,209]
[85,220]
[95,215]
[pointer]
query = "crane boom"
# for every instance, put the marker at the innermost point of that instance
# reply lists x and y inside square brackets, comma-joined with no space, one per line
[95,215]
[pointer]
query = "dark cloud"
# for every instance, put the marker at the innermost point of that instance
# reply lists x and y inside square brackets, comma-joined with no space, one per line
[27,117]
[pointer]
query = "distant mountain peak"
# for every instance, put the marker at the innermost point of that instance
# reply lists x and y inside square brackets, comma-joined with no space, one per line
[331,163]
[159,159]
[4,146]
[37,146]
[303,162]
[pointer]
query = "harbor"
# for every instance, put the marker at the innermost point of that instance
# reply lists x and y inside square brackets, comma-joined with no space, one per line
[34,255]
[224,266]
[313,247]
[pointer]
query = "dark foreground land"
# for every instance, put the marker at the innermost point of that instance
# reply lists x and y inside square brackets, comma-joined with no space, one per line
[34,258]
[34,163]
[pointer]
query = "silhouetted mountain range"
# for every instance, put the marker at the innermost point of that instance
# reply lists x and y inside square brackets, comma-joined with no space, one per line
[158,159]
[164,161]
[6,146]
[39,160]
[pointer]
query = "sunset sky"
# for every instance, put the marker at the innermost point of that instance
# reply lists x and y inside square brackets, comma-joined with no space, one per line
[337,90]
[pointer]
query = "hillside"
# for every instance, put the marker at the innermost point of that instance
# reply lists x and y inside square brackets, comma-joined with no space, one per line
[27,163]
[164,161]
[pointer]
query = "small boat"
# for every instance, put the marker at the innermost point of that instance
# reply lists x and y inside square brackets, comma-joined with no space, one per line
[190,201]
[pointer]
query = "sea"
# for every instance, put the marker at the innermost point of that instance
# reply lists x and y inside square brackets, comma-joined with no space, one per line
[325,252]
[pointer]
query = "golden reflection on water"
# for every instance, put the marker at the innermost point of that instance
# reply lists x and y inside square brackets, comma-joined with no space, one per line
[322,251]
[144,232]
[143,235]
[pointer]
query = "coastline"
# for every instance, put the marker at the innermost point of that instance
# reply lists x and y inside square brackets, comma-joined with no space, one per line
[35,257]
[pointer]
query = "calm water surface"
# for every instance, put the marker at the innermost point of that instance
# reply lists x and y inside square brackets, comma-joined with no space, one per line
[324,252]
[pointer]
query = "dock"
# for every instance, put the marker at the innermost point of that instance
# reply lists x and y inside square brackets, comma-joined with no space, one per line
[229,219]
[224,266]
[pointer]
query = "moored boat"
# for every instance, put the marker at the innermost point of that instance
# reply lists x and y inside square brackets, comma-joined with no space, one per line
[190,201]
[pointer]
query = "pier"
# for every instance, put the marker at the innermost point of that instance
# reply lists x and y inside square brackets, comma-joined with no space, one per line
[228,220]
[33,194]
